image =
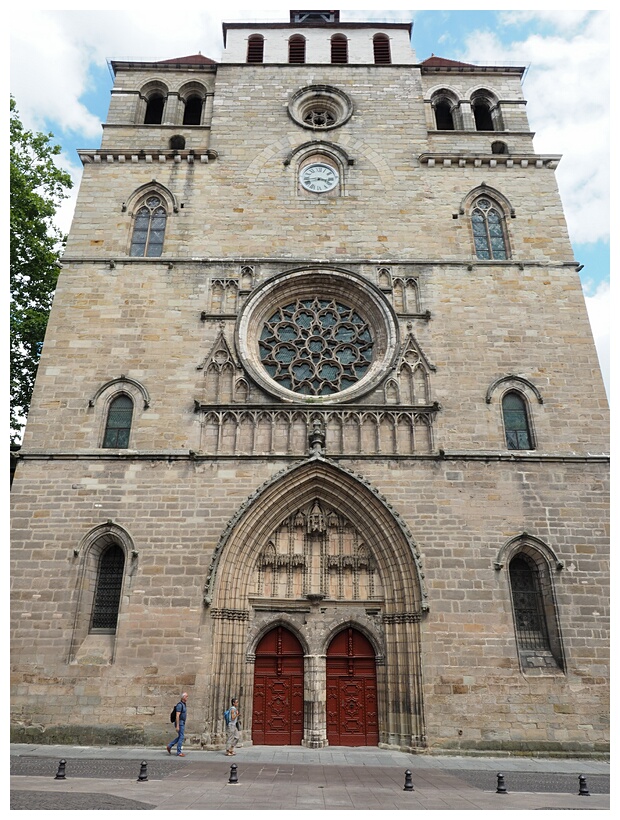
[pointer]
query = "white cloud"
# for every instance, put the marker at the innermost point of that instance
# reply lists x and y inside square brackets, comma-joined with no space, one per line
[567,88]
[39,47]
[565,20]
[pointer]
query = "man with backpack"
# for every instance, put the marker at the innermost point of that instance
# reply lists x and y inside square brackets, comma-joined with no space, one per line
[231,716]
[178,717]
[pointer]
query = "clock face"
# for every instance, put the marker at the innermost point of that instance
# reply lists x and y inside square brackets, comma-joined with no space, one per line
[319,177]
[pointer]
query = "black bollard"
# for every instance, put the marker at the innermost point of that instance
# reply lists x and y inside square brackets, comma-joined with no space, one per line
[501,786]
[233,774]
[408,787]
[60,774]
[142,777]
[583,786]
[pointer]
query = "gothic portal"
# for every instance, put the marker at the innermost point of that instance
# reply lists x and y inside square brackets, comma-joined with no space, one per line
[318,421]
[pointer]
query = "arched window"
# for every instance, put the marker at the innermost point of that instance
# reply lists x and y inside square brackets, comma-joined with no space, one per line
[443,115]
[482,116]
[256,45]
[118,424]
[381,48]
[154,110]
[149,228]
[516,424]
[499,147]
[108,588]
[297,49]
[488,226]
[534,609]
[340,49]
[193,110]
[527,604]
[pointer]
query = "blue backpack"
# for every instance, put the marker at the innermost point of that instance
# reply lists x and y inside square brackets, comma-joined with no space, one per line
[227,716]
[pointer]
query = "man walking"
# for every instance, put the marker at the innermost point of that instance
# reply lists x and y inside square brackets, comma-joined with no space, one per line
[232,726]
[181,717]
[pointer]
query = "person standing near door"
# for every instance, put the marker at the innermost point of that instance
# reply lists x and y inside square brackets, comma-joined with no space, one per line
[232,726]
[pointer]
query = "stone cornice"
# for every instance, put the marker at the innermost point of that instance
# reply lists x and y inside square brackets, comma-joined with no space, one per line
[191,455]
[101,156]
[446,159]
[290,261]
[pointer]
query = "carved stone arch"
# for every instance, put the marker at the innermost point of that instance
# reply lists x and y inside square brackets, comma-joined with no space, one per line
[444,96]
[530,566]
[525,541]
[190,88]
[366,626]
[107,393]
[486,190]
[391,391]
[259,629]
[219,367]
[87,648]
[512,381]
[483,95]
[137,197]
[315,480]
[319,486]
[413,373]
[151,89]
[330,150]
[122,384]
[192,96]
[482,92]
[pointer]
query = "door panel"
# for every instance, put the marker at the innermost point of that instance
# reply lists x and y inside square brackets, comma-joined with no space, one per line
[352,718]
[278,707]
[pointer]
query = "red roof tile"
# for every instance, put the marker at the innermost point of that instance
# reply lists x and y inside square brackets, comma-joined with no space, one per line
[194,59]
[442,62]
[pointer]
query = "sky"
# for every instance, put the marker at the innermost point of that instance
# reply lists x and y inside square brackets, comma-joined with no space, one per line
[567,85]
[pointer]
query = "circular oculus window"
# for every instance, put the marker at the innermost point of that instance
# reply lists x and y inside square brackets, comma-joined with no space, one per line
[320,107]
[319,336]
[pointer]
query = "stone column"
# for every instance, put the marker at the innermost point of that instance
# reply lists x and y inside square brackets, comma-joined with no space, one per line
[467,116]
[315,698]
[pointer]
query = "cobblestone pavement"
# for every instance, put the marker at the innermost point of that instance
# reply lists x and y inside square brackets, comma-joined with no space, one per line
[287,778]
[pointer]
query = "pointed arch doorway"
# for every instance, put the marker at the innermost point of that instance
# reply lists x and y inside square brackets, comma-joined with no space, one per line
[352,716]
[278,704]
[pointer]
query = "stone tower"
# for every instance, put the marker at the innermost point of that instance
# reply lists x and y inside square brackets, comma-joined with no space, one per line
[318,420]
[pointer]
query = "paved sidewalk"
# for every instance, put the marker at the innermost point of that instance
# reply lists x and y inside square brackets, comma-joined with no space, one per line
[295,778]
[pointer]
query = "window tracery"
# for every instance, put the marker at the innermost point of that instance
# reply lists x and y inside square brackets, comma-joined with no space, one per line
[149,228]
[487,222]
[316,346]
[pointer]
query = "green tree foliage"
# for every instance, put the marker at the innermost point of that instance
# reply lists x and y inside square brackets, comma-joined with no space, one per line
[37,188]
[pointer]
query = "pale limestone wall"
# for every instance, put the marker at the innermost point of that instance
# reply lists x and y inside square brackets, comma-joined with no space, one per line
[143,321]
[241,219]
[389,204]
[127,106]
[318,50]
[460,514]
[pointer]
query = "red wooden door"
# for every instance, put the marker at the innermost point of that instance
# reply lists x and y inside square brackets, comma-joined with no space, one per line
[278,706]
[352,718]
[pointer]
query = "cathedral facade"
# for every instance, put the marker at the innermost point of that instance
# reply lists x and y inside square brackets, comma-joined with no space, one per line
[319,421]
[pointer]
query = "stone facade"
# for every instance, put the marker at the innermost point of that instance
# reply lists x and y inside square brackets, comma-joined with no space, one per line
[380,496]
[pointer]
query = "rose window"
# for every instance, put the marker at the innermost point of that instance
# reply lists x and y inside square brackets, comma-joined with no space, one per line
[319,118]
[320,107]
[316,347]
